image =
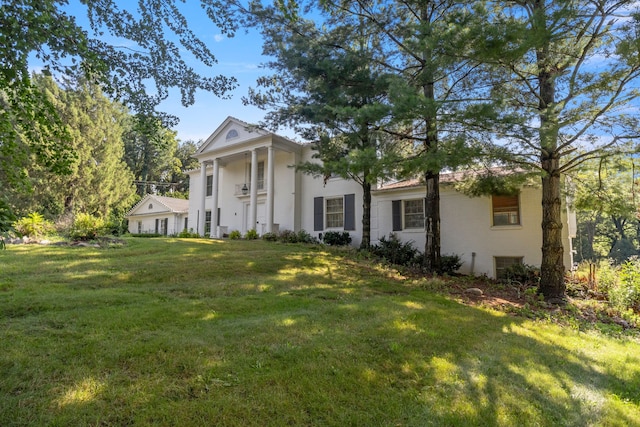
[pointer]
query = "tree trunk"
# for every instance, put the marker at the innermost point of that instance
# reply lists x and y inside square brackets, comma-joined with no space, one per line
[552,285]
[366,216]
[431,177]
[432,222]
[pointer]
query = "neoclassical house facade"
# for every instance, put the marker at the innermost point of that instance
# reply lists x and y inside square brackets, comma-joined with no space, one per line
[246,180]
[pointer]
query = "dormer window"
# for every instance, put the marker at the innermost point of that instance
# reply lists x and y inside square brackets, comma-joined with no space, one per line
[232,134]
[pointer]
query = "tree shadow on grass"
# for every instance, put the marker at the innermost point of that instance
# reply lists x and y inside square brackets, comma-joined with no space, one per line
[304,341]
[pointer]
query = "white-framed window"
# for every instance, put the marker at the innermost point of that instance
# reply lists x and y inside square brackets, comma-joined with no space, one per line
[139,227]
[413,213]
[232,134]
[260,183]
[506,210]
[260,176]
[504,262]
[207,223]
[334,210]
[209,185]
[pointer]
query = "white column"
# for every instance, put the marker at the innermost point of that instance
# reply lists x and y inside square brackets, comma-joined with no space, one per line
[203,189]
[214,208]
[270,169]
[253,207]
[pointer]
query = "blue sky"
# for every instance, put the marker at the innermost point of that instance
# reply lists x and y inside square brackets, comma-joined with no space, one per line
[239,57]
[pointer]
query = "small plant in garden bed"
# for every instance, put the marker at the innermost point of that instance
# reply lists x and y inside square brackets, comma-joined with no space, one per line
[235,235]
[251,234]
[33,225]
[336,238]
[188,234]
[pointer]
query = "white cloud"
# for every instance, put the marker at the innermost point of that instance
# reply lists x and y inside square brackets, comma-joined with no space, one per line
[219,37]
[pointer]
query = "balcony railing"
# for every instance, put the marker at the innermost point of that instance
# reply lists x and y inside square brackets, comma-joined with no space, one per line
[245,189]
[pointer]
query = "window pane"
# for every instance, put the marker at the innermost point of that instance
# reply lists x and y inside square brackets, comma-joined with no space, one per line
[207,223]
[209,185]
[260,176]
[335,217]
[506,210]
[502,263]
[414,213]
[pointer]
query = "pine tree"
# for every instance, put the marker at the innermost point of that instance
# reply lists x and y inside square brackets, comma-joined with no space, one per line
[563,77]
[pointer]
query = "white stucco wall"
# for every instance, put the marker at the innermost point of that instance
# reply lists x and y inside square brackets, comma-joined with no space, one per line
[466,228]
[175,223]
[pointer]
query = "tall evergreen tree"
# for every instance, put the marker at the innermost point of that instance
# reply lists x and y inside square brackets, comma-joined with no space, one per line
[327,87]
[564,74]
[150,150]
[98,181]
[423,44]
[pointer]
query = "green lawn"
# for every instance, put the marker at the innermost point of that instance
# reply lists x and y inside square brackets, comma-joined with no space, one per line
[238,333]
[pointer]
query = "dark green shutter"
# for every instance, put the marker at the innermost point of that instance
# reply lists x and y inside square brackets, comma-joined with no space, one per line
[396,214]
[350,212]
[318,214]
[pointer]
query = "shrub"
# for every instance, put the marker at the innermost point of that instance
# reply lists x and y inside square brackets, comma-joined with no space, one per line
[336,238]
[287,236]
[33,225]
[396,251]
[625,294]
[523,273]
[607,276]
[251,234]
[86,227]
[303,236]
[235,235]
[449,264]
[188,234]
[270,237]
[6,220]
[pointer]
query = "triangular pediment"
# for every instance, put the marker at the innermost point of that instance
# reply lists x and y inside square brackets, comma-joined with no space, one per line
[231,132]
[152,204]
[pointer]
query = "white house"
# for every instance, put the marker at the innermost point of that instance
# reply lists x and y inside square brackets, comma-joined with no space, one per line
[246,181]
[159,215]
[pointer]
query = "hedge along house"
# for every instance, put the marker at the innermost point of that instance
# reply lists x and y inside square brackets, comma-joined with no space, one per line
[247,181]
[158,215]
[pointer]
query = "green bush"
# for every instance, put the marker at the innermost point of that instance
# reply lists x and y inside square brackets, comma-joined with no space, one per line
[395,251]
[7,217]
[6,221]
[270,237]
[288,236]
[235,235]
[607,276]
[303,236]
[86,227]
[523,273]
[625,294]
[336,238]
[33,225]
[251,234]
[449,264]
[188,234]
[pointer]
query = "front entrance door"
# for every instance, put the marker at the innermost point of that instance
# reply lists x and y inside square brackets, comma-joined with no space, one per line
[260,217]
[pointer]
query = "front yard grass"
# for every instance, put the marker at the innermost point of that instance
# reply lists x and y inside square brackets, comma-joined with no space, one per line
[239,333]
